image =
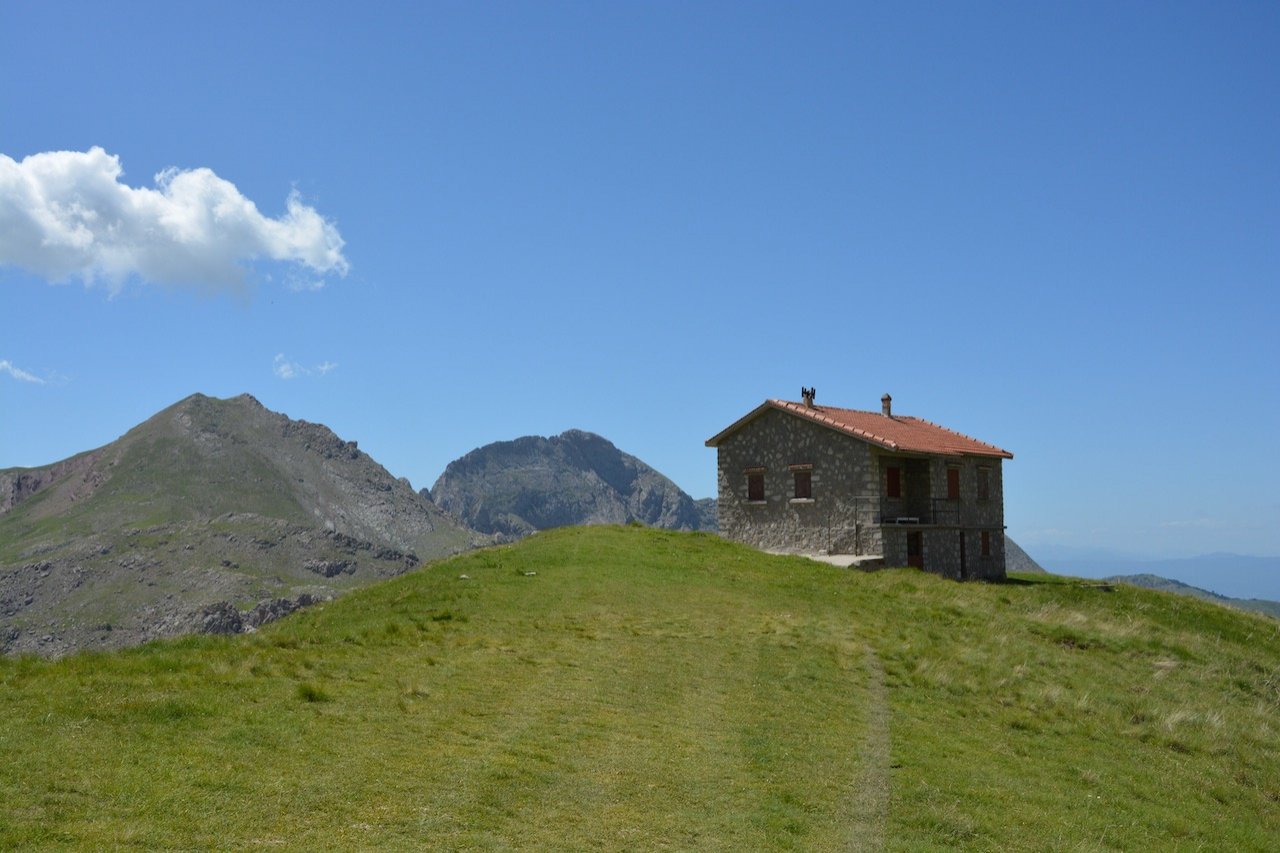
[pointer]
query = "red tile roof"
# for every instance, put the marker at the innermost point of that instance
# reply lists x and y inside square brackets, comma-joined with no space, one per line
[897,432]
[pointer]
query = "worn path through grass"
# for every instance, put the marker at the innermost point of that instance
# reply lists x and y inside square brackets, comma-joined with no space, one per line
[870,797]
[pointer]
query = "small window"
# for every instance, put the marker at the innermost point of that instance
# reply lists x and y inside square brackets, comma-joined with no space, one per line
[804,484]
[986,543]
[755,486]
[984,484]
[893,482]
[953,484]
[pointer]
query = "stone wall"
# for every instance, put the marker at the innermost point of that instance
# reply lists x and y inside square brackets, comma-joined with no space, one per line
[840,517]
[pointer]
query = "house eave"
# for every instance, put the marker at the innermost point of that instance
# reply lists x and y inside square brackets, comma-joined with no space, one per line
[715,440]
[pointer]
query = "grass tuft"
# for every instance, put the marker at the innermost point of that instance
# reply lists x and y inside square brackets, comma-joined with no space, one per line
[309,692]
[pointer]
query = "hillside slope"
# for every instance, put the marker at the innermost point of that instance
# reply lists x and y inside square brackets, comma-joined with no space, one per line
[209,504]
[533,483]
[1149,581]
[624,688]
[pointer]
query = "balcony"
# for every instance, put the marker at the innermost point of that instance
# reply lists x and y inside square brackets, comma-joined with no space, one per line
[931,511]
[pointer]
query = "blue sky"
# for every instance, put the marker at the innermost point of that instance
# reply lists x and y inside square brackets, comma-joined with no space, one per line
[1055,227]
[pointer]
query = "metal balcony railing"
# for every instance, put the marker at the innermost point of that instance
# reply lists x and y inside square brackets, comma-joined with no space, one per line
[919,511]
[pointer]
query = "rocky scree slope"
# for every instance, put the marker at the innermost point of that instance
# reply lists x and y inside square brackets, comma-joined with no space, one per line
[210,506]
[512,488]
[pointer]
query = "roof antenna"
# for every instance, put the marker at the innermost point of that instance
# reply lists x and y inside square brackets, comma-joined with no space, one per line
[807,394]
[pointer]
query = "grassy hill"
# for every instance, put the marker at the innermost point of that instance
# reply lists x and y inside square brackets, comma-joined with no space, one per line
[627,688]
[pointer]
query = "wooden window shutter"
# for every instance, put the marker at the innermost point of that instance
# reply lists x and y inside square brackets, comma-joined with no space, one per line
[953,484]
[893,486]
[804,484]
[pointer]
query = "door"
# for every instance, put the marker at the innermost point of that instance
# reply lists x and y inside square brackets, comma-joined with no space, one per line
[915,550]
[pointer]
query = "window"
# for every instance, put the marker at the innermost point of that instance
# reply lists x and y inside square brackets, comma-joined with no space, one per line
[953,483]
[986,543]
[804,484]
[893,482]
[984,484]
[755,485]
[803,476]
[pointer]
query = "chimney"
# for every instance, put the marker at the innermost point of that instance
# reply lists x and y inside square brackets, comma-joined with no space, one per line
[807,394]
[885,406]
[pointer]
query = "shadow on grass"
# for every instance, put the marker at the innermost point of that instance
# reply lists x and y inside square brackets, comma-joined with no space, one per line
[1059,580]
[1033,580]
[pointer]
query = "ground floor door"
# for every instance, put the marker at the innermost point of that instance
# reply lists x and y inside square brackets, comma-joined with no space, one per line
[964,573]
[915,550]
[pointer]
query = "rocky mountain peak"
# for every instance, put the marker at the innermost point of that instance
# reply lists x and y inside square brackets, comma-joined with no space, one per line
[512,488]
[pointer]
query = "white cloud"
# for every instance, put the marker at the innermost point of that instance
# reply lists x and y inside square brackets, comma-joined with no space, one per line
[18,373]
[286,369]
[300,284]
[66,214]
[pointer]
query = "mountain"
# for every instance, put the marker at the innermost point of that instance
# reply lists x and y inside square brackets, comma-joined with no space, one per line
[1229,575]
[1018,560]
[513,488]
[191,519]
[1149,581]
[708,514]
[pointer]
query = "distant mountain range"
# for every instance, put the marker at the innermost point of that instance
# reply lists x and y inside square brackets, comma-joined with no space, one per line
[191,519]
[1234,580]
[512,488]
[1232,575]
[1271,608]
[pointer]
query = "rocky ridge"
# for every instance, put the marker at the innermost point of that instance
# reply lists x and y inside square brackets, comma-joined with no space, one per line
[1018,560]
[512,488]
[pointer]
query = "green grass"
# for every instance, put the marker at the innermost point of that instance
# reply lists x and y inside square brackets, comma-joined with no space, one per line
[644,689]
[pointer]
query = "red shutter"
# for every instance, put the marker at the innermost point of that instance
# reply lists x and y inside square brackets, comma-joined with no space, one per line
[953,484]
[893,488]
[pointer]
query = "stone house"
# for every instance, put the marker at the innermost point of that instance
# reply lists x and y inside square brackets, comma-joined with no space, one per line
[887,489]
